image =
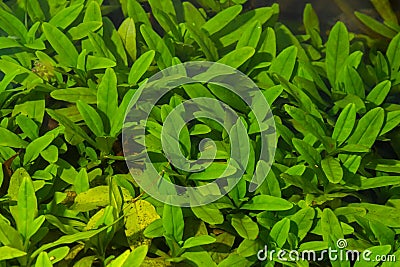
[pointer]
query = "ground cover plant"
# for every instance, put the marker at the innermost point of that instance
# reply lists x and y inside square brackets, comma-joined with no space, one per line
[68,72]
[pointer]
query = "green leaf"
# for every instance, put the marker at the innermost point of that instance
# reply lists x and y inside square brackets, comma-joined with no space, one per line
[208,214]
[140,67]
[310,154]
[311,24]
[9,236]
[91,199]
[248,248]
[198,241]
[173,222]
[199,257]
[155,229]
[10,139]
[219,21]
[95,63]
[237,57]
[43,260]
[392,121]
[107,94]
[251,36]
[117,122]
[68,239]
[140,220]
[379,93]
[66,16]
[12,25]
[280,232]
[337,51]
[136,257]
[265,202]
[234,30]
[28,126]
[68,124]
[331,228]
[27,207]
[154,42]
[332,169]
[345,123]
[99,47]
[127,31]
[384,165]
[375,25]
[351,81]
[284,63]
[384,214]
[205,43]
[385,9]
[368,128]
[235,259]
[245,226]
[8,253]
[214,171]
[193,15]
[304,219]
[72,95]
[36,146]
[91,118]
[370,261]
[61,44]
[393,55]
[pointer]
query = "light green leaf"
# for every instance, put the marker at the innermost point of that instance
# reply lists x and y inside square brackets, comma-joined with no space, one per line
[8,253]
[237,57]
[245,226]
[140,67]
[107,94]
[332,169]
[12,25]
[379,93]
[91,118]
[198,241]
[284,63]
[127,31]
[345,123]
[68,124]
[304,219]
[208,214]
[27,208]
[61,44]
[136,257]
[265,202]
[173,222]
[393,55]
[222,19]
[368,128]
[392,121]
[375,25]
[337,51]
[36,146]
[66,16]
[154,42]
[43,260]
[205,43]
[72,95]
[10,139]
[279,233]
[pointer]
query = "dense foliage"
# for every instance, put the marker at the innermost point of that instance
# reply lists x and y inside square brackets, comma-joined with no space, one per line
[69,70]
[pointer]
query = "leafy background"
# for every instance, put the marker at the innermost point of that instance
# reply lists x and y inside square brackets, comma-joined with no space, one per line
[69,70]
